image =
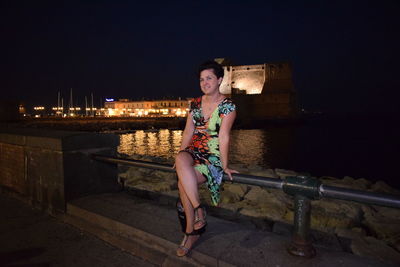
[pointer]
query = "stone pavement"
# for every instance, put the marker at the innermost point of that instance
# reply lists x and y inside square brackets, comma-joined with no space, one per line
[148,230]
[29,237]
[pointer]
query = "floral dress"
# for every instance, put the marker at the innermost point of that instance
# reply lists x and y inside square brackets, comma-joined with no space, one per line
[204,146]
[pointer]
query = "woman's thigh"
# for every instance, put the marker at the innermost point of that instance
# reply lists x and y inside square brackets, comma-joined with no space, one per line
[183,160]
[200,177]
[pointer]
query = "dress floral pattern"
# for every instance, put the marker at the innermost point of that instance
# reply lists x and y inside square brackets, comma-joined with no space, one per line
[204,146]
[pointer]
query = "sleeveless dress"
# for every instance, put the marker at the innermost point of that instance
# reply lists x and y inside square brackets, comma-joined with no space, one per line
[204,146]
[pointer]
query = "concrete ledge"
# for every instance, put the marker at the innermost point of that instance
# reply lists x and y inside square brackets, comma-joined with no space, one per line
[55,139]
[225,243]
[135,241]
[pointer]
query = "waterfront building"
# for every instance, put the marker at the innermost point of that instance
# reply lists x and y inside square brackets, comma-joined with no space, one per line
[264,91]
[147,108]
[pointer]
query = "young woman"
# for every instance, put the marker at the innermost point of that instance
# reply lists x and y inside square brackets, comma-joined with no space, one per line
[203,155]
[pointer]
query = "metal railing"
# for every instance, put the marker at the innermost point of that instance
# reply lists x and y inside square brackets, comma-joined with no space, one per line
[304,189]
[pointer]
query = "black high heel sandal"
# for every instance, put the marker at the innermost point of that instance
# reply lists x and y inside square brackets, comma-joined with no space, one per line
[182,219]
[183,243]
[197,219]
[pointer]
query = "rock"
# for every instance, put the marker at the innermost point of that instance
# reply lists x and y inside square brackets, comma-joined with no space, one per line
[326,215]
[237,189]
[232,207]
[230,197]
[322,221]
[382,187]
[259,206]
[255,194]
[352,233]
[370,247]
[383,222]
[262,203]
[347,182]
[283,173]
[156,187]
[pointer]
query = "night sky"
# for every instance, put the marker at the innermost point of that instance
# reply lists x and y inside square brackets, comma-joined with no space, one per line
[345,54]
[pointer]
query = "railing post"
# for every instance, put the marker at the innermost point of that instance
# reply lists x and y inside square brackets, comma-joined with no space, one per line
[302,188]
[301,242]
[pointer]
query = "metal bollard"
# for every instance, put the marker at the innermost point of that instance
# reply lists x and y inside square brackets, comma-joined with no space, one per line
[303,188]
[301,242]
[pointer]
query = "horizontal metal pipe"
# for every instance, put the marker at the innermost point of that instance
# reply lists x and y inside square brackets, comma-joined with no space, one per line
[238,178]
[255,180]
[134,162]
[324,190]
[359,196]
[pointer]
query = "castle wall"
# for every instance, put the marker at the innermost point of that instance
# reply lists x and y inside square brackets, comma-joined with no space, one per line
[261,91]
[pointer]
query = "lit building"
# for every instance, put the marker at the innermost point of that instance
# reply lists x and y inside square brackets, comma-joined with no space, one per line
[262,90]
[154,108]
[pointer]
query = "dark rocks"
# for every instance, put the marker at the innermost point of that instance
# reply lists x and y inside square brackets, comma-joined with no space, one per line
[362,229]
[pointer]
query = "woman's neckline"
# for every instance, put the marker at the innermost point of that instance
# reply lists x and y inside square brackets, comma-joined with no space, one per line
[216,107]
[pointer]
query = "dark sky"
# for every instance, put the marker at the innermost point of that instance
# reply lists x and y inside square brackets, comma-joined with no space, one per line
[345,54]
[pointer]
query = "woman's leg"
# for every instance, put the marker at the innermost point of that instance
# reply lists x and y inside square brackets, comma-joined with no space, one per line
[187,177]
[184,163]
[187,206]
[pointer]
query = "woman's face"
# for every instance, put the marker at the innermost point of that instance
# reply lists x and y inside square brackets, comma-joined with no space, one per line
[209,83]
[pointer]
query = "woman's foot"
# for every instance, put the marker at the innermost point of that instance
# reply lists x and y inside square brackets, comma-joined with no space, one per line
[187,243]
[199,218]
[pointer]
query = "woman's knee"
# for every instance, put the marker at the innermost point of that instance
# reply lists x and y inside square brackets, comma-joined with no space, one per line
[183,159]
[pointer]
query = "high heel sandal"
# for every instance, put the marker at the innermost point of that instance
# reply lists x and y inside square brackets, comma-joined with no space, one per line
[197,219]
[182,219]
[183,243]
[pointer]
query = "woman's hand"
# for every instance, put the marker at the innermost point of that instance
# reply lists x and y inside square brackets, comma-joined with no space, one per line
[229,172]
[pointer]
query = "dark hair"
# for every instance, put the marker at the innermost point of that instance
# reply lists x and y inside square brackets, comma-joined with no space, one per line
[211,64]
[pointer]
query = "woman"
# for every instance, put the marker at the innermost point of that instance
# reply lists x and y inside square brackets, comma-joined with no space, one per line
[203,155]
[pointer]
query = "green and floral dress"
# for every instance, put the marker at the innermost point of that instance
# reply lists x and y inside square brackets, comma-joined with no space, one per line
[204,146]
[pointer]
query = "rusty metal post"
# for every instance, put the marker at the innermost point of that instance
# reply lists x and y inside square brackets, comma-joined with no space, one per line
[303,188]
[301,242]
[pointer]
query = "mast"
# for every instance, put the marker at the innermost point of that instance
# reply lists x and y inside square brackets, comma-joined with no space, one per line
[92,106]
[70,103]
[58,104]
[86,107]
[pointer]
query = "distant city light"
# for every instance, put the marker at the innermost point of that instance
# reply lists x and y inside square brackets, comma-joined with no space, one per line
[120,108]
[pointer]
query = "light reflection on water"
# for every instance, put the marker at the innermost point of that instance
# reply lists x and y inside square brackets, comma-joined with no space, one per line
[248,147]
[327,148]
[161,143]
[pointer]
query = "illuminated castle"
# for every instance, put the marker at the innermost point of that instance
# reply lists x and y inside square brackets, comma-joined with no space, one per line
[260,91]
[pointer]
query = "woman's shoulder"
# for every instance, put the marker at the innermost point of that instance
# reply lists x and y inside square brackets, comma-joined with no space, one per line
[195,102]
[227,106]
[228,102]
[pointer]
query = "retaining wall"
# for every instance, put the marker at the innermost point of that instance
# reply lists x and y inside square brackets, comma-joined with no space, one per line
[49,168]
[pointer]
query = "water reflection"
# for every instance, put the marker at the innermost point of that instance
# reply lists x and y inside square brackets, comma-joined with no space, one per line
[162,143]
[318,148]
[267,148]
[248,147]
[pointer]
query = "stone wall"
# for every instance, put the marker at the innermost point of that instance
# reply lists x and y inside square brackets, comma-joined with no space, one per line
[360,228]
[263,91]
[48,167]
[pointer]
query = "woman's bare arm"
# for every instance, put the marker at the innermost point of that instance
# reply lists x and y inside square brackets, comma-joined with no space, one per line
[224,138]
[188,132]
